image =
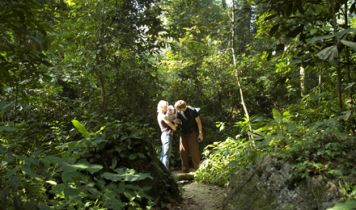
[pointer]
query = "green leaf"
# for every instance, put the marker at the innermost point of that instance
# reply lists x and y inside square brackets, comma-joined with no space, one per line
[92,168]
[348,205]
[352,45]
[53,160]
[222,127]
[286,116]
[70,176]
[59,190]
[341,34]
[329,53]
[114,163]
[6,106]
[70,192]
[346,115]
[277,116]
[7,129]
[30,165]
[102,128]
[127,175]
[113,177]
[320,38]
[133,156]
[349,85]
[43,207]
[112,202]
[51,182]
[2,149]
[80,128]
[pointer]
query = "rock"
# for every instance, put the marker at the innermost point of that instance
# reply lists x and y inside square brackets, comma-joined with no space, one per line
[198,196]
[271,185]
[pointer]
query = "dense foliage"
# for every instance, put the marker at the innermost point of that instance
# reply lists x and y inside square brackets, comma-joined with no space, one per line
[306,74]
[80,80]
[85,60]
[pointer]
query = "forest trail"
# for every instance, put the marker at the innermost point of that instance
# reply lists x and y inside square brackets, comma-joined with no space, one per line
[198,196]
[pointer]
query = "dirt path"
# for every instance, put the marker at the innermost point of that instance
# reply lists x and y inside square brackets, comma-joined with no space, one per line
[198,196]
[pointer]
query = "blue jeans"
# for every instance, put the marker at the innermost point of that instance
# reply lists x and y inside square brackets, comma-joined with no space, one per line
[166,139]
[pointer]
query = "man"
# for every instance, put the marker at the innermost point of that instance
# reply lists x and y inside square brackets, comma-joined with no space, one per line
[190,136]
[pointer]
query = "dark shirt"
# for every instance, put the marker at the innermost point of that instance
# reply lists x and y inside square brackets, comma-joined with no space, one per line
[189,124]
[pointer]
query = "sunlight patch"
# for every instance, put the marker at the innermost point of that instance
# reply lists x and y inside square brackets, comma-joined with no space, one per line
[70,2]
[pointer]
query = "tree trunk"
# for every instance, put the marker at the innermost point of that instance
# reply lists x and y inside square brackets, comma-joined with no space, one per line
[250,135]
[319,83]
[348,58]
[103,101]
[302,81]
[223,3]
[338,66]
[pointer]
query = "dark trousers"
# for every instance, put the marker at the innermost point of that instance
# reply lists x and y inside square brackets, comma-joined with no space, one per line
[189,145]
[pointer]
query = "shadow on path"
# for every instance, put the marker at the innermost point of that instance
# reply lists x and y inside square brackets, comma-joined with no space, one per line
[198,196]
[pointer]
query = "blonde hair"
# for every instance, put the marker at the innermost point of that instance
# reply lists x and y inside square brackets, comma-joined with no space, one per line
[180,104]
[161,104]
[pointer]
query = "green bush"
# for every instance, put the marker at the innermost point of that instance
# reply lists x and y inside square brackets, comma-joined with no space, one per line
[113,168]
[223,159]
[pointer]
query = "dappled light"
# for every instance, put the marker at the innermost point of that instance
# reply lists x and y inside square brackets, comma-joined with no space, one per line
[177,104]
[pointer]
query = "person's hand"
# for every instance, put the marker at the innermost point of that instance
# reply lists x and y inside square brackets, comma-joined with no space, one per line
[200,137]
[177,121]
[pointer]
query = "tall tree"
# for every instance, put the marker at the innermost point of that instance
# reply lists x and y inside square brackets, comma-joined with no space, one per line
[110,45]
[307,24]
[233,51]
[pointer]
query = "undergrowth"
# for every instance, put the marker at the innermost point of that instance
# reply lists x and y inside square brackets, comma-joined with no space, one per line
[323,147]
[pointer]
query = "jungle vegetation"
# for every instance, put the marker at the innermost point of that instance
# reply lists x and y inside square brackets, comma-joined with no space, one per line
[80,81]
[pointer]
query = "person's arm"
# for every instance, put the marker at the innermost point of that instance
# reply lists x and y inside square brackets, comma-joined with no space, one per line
[170,124]
[159,122]
[200,129]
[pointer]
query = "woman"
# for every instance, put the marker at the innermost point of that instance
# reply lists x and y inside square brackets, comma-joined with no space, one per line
[167,129]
